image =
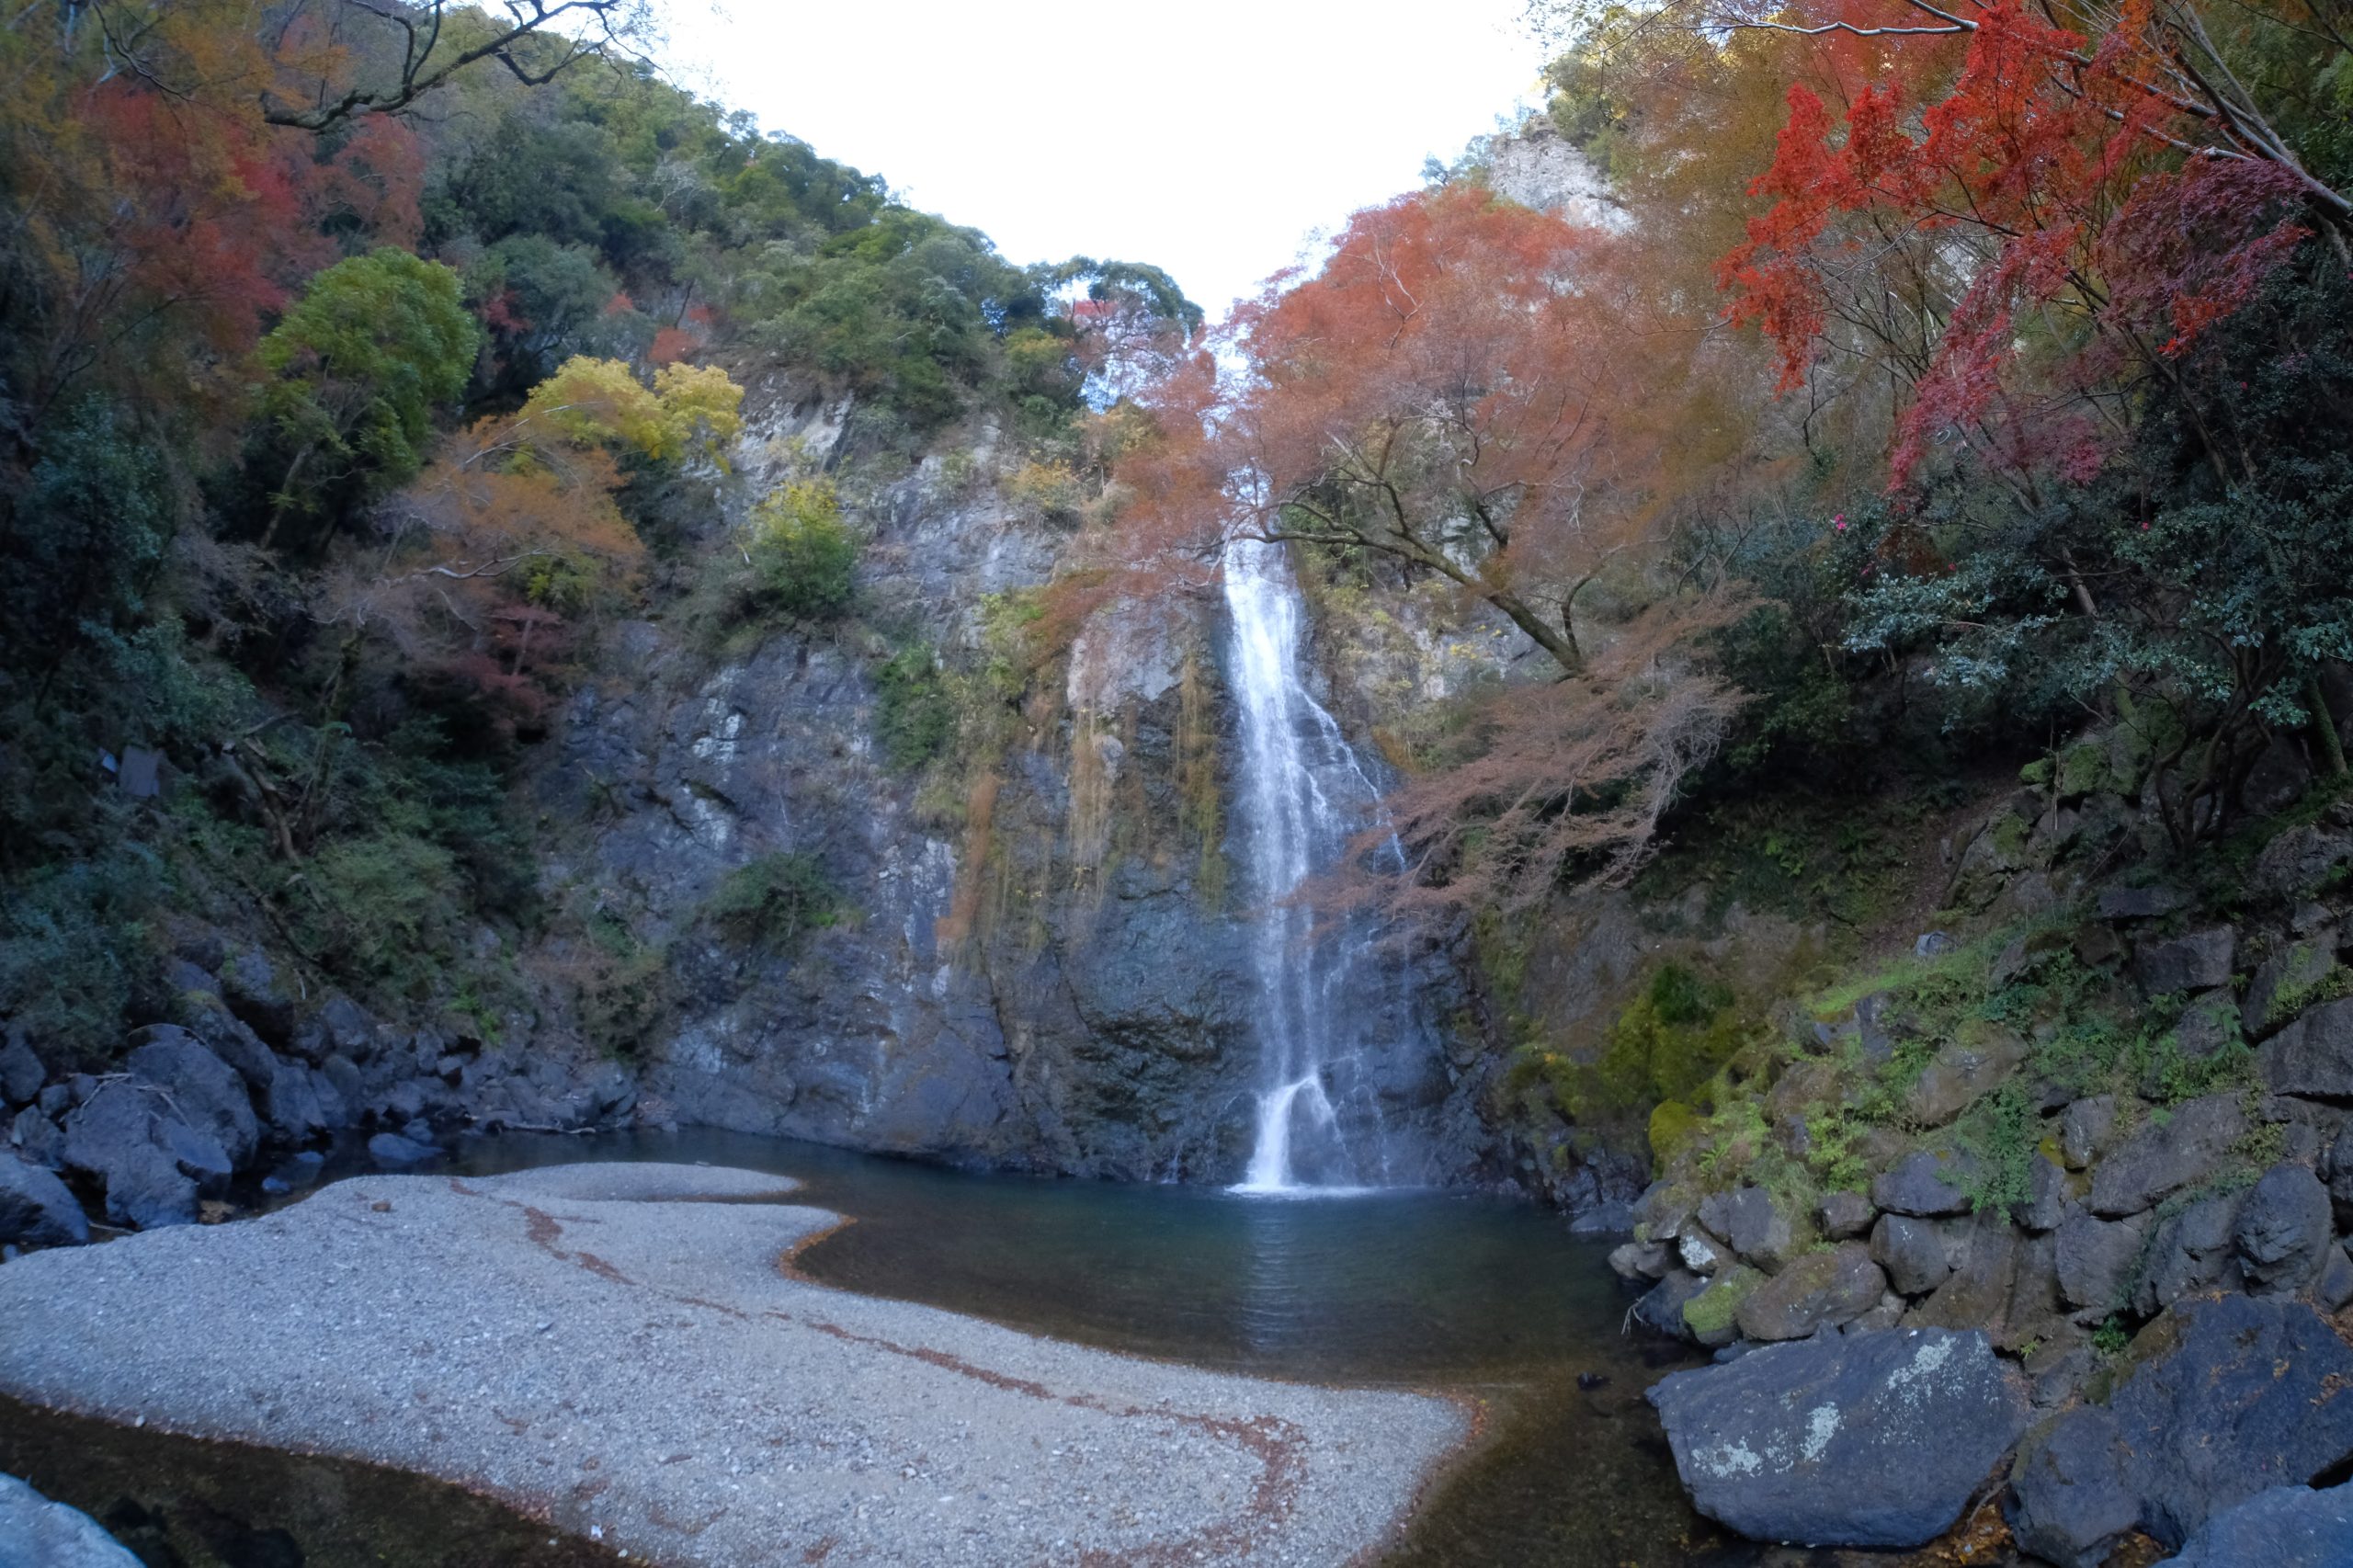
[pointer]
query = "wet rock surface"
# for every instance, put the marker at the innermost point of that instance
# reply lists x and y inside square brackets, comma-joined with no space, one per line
[1870,1439]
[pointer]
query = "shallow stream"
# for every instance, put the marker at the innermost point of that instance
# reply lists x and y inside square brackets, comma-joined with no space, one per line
[1473,1295]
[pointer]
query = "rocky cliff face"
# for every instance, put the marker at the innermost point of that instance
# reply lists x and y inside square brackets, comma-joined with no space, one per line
[1046,969]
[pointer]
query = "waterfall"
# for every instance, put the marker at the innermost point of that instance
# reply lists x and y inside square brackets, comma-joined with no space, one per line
[1303,794]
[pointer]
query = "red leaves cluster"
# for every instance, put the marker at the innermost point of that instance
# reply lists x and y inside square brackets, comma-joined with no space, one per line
[2047,159]
[169,224]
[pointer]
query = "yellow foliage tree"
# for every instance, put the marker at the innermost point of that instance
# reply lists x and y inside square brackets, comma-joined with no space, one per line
[690,410]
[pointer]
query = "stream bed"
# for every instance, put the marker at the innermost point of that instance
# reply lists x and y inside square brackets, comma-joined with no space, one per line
[1474,1296]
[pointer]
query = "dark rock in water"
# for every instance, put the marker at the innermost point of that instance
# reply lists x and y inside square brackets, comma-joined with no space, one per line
[1603,1219]
[1822,1289]
[2284,1229]
[1751,1223]
[1661,1308]
[1924,1185]
[2288,1527]
[35,1208]
[2221,1398]
[202,1090]
[1877,1439]
[2164,1157]
[21,1074]
[198,1154]
[38,1533]
[1639,1260]
[112,1137]
[2198,961]
[392,1149]
[2313,1055]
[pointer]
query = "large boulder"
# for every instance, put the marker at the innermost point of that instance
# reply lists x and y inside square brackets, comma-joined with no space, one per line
[1662,1307]
[200,1087]
[38,1533]
[2221,1398]
[2197,961]
[1957,1074]
[2299,860]
[2294,972]
[1844,1214]
[117,1137]
[1927,1184]
[1985,1263]
[1917,1254]
[2097,1260]
[1822,1289]
[1751,1223]
[35,1208]
[2284,1229]
[1872,1440]
[2190,1250]
[2288,1527]
[2313,1055]
[2167,1155]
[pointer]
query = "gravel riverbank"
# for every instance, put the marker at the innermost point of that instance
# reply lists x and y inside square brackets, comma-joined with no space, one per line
[616,1348]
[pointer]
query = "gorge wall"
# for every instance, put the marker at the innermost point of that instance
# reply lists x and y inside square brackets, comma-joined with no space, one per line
[1042,958]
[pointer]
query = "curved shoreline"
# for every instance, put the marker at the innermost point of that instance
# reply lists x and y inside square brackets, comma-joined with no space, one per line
[867,1429]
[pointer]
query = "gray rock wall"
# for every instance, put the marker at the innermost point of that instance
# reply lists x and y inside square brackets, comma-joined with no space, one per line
[1062,982]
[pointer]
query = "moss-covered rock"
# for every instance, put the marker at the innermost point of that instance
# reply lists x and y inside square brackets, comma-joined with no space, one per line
[1712,1317]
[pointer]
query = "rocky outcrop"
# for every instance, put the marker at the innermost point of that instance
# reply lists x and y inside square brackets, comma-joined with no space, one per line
[1038,961]
[35,1208]
[2220,1399]
[1872,1440]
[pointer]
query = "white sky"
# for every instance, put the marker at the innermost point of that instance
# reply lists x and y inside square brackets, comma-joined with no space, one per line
[1210,137]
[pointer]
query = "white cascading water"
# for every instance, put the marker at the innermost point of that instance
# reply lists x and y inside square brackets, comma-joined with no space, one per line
[1303,794]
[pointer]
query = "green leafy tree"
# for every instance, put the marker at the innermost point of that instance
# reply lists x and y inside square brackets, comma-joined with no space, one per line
[355,368]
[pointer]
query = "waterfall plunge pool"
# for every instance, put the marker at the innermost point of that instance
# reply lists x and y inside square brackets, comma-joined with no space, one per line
[1471,1295]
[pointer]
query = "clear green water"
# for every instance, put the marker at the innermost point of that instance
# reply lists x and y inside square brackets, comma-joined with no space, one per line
[1487,1299]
